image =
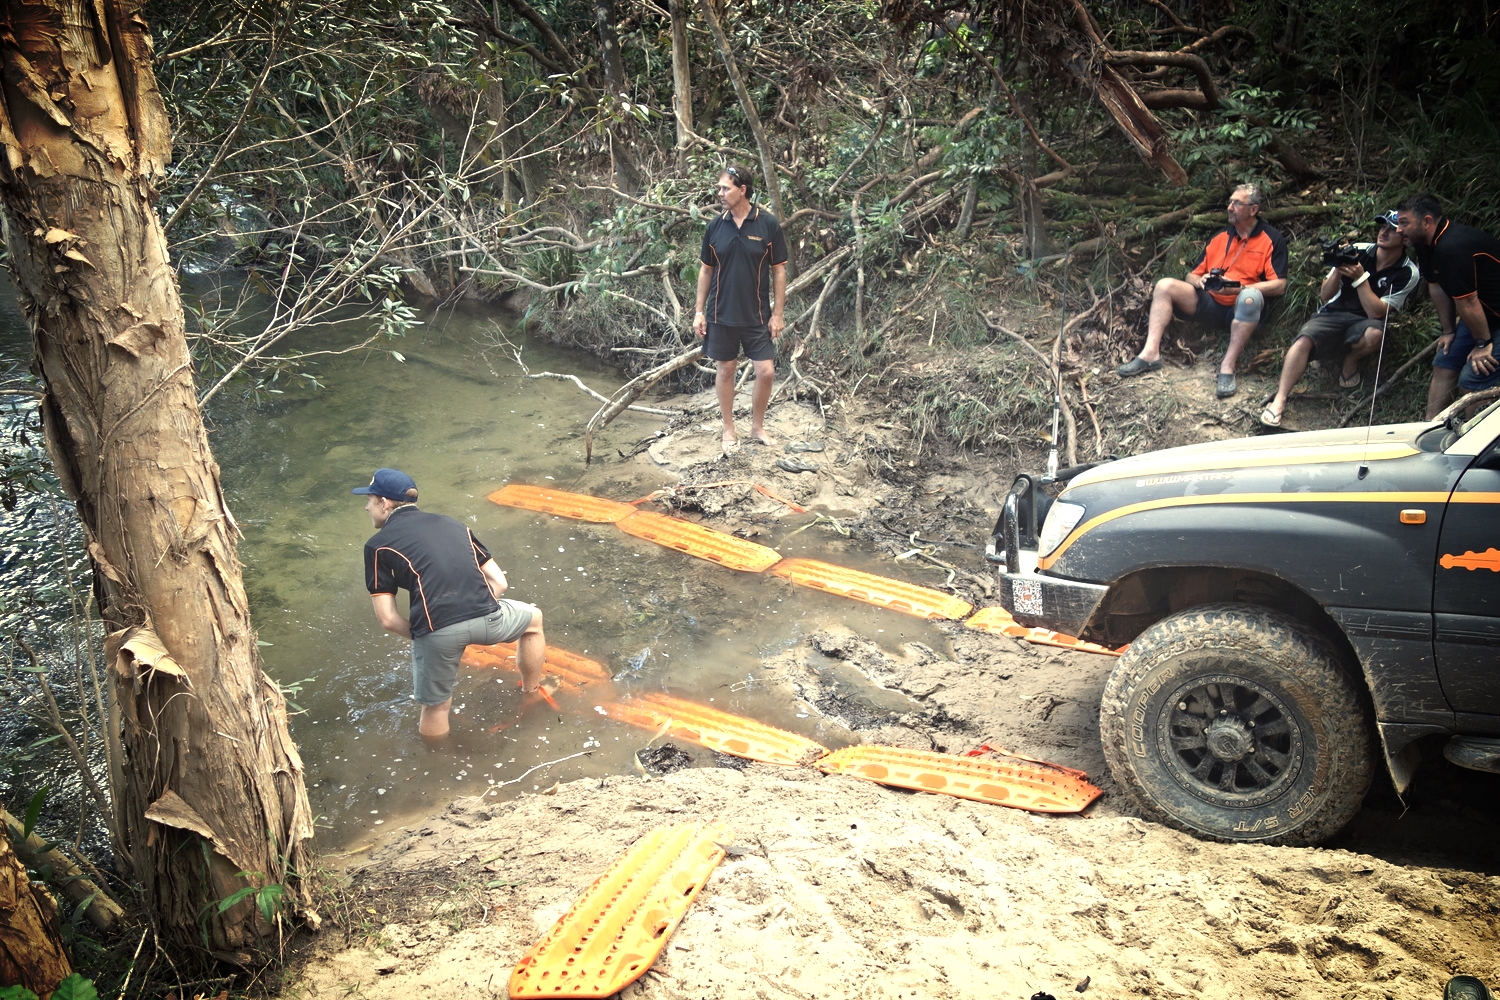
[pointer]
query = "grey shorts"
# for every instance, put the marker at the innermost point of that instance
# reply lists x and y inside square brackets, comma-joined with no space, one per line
[434,656]
[1333,333]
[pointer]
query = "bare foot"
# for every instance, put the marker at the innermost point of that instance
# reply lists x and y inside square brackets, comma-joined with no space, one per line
[731,443]
[761,438]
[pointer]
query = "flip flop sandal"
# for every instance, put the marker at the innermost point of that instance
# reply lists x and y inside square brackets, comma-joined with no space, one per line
[796,465]
[1270,418]
[1344,383]
[806,446]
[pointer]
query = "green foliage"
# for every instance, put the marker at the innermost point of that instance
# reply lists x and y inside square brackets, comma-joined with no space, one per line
[75,987]
[270,899]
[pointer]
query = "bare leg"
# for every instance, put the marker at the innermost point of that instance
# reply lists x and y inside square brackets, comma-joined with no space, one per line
[1366,346]
[1441,392]
[1292,369]
[1168,294]
[1239,336]
[433,724]
[760,399]
[724,385]
[531,652]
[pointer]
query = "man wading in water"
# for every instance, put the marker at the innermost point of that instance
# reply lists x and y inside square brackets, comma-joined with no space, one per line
[455,589]
[744,258]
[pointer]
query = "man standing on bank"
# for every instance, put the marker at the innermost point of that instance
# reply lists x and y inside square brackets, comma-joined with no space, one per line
[741,297]
[1462,268]
[455,590]
[1242,265]
[1358,299]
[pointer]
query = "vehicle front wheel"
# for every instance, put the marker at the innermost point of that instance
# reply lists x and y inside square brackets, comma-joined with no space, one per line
[1236,722]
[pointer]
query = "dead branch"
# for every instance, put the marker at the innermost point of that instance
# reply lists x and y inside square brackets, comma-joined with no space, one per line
[629,393]
[1396,376]
[1072,449]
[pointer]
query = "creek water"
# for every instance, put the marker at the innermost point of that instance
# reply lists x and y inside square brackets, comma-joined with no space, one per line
[458,415]
[461,419]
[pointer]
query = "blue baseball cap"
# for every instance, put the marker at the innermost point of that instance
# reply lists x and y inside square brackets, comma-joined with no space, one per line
[1389,218]
[391,484]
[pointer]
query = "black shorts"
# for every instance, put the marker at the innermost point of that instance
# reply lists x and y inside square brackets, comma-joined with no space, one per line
[1333,333]
[724,343]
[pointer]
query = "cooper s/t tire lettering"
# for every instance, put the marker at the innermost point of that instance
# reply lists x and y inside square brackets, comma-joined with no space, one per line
[1237,722]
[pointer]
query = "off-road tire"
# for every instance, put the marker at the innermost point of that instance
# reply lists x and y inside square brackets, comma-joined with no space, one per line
[1199,694]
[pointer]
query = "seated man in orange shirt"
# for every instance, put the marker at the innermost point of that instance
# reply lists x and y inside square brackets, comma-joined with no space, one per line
[1242,265]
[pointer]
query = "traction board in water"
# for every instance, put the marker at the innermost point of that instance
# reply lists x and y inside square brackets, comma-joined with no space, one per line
[579,671]
[999,622]
[563,504]
[696,540]
[1022,785]
[709,727]
[611,935]
[878,590]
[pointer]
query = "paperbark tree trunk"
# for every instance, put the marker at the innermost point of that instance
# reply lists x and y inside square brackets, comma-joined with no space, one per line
[31,948]
[212,784]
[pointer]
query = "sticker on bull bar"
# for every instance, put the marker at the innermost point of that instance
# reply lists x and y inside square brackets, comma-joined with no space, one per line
[1027,596]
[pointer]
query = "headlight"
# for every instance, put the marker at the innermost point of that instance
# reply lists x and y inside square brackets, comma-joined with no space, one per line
[1061,519]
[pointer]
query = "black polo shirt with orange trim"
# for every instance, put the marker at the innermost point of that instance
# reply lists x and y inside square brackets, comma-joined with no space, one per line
[437,561]
[1261,256]
[1465,261]
[739,293]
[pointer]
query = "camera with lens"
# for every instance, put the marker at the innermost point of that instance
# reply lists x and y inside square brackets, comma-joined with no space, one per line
[1338,254]
[1215,280]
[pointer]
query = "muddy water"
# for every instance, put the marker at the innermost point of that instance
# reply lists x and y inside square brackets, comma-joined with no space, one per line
[463,422]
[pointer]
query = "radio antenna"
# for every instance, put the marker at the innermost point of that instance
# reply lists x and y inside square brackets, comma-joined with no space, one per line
[1385,326]
[1057,370]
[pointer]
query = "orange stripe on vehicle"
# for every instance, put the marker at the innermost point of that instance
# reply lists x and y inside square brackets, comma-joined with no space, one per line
[1047,562]
[1488,559]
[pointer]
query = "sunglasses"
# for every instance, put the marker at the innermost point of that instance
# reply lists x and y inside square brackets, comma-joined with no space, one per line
[735,175]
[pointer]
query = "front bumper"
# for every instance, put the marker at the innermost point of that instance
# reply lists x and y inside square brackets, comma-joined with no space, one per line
[1032,598]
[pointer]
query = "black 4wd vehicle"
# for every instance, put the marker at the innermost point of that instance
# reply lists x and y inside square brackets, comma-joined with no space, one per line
[1295,605]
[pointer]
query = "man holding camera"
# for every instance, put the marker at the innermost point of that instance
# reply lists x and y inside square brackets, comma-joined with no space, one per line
[1241,266]
[1462,268]
[1366,282]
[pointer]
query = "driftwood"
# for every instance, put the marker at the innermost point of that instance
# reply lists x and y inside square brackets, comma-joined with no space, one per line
[102,911]
[629,393]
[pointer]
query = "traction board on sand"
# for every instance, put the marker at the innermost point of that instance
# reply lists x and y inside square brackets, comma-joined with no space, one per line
[617,928]
[575,505]
[878,590]
[579,671]
[998,621]
[1036,787]
[696,540]
[709,727]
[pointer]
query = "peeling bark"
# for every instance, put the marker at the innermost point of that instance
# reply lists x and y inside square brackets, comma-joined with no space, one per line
[31,948]
[85,134]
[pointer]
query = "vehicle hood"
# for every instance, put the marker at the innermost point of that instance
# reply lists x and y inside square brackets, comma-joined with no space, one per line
[1383,442]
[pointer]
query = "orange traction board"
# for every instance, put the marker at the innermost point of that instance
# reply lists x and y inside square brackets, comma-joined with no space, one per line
[696,540]
[573,669]
[1022,785]
[998,621]
[717,730]
[575,505]
[611,935]
[878,590]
